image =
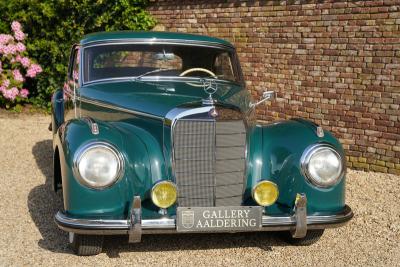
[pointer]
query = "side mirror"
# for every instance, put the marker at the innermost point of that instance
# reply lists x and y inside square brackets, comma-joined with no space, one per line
[267,95]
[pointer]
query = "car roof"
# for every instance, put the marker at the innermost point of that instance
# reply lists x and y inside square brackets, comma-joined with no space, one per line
[170,36]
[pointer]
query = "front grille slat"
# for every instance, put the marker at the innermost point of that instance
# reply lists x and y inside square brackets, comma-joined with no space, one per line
[209,162]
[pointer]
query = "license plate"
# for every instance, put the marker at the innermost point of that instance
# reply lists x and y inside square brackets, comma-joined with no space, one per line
[219,219]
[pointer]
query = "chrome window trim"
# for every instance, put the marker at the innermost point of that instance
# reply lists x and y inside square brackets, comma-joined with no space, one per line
[80,152]
[305,160]
[151,41]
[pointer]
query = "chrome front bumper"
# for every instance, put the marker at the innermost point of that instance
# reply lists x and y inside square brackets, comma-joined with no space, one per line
[298,223]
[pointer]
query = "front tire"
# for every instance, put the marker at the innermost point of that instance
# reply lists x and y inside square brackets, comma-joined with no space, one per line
[86,245]
[311,237]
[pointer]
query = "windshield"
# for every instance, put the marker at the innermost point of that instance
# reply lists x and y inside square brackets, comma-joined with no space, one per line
[147,60]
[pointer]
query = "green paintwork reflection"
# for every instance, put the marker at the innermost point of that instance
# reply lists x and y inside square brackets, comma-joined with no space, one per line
[274,154]
[159,97]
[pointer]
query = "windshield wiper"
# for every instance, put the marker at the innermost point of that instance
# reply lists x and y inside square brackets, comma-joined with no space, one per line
[150,72]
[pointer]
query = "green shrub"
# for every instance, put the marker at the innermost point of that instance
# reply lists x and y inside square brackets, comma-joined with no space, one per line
[53,26]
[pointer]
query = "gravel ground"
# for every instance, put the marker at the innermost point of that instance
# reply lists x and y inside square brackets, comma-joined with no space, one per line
[30,237]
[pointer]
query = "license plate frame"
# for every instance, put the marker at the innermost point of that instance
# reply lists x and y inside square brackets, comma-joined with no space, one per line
[219,219]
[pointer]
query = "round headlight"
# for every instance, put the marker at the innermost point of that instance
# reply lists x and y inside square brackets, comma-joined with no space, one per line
[265,193]
[163,194]
[98,165]
[322,165]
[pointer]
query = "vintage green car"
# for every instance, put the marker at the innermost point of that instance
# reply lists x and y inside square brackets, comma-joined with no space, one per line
[154,132]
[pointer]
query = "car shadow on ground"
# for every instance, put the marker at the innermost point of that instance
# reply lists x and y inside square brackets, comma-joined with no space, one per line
[43,203]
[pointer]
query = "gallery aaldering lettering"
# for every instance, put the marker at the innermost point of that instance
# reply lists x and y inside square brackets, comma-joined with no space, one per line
[226,218]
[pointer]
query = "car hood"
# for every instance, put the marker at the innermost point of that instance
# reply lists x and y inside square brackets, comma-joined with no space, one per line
[157,98]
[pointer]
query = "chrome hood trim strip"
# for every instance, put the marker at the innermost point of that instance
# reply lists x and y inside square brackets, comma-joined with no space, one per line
[117,108]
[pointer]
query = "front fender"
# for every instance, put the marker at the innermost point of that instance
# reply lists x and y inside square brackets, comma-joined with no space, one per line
[57,110]
[113,201]
[274,154]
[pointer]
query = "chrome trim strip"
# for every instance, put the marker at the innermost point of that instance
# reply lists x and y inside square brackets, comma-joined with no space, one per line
[151,41]
[168,225]
[175,114]
[110,106]
[113,107]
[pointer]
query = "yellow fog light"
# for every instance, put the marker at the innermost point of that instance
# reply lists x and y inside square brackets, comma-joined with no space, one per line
[265,193]
[163,194]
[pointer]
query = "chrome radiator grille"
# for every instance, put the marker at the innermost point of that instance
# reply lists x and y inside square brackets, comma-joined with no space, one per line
[209,162]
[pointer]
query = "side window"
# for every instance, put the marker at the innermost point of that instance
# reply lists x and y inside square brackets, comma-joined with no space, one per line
[223,67]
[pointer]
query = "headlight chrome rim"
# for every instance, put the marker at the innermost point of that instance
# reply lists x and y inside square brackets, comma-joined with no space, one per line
[305,160]
[164,182]
[105,145]
[270,183]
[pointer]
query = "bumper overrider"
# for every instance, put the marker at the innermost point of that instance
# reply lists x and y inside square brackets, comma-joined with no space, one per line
[135,226]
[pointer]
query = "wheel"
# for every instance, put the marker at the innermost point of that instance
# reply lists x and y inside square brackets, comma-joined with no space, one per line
[311,237]
[86,245]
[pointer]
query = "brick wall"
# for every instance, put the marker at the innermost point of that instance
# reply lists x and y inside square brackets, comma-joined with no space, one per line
[334,62]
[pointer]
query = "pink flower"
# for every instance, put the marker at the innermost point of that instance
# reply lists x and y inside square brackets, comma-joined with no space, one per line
[75,75]
[18,76]
[24,93]
[20,47]
[9,49]
[6,83]
[33,70]
[24,61]
[5,38]
[2,89]
[19,35]
[16,26]
[11,94]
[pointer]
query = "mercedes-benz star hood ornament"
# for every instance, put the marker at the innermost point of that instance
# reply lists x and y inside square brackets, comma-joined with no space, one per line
[210,87]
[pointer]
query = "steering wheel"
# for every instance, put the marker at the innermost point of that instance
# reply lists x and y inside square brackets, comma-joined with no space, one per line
[212,74]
